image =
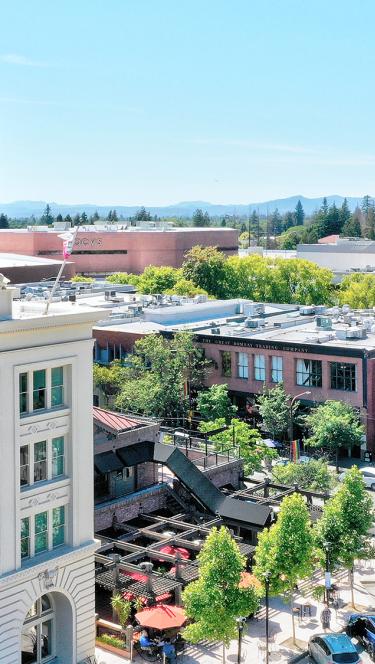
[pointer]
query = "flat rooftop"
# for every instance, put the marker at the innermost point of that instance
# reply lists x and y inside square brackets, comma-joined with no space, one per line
[120,228]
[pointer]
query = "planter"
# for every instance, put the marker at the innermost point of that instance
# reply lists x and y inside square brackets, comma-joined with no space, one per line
[116,651]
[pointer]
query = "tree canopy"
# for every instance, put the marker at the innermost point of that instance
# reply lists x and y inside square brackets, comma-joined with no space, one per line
[215,600]
[276,410]
[358,291]
[314,475]
[334,425]
[215,403]
[205,267]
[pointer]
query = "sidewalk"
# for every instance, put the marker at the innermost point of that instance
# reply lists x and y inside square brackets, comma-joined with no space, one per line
[282,649]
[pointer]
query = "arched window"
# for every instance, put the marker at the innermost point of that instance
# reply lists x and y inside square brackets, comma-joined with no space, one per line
[37,640]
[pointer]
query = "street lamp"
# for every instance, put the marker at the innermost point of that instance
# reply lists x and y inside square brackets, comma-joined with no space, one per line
[291,418]
[327,582]
[240,624]
[267,578]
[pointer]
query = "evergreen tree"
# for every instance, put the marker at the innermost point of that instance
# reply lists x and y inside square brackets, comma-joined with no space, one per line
[96,216]
[68,219]
[59,218]
[114,216]
[366,204]
[201,218]
[352,227]
[276,223]
[324,206]
[4,222]
[47,216]
[76,220]
[223,222]
[255,225]
[369,228]
[333,220]
[344,214]
[84,218]
[109,216]
[288,220]
[299,214]
[142,215]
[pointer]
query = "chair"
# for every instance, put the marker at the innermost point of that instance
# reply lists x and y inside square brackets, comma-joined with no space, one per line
[306,610]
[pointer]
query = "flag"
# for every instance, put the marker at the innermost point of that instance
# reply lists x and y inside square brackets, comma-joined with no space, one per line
[295,451]
[67,244]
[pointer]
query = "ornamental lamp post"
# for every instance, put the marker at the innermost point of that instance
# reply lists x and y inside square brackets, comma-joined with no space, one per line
[327,582]
[291,419]
[240,624]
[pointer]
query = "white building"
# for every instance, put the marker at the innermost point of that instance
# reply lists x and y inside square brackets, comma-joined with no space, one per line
[46,484]
[341,256]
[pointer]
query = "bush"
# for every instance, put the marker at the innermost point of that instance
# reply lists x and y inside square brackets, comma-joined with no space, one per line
[110,640]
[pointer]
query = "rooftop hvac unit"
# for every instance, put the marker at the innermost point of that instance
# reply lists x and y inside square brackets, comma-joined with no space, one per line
[109,294]
[307,311]
[200,298]
[215,330]
[345,308]
[324,322]
[254,323]
[356,333]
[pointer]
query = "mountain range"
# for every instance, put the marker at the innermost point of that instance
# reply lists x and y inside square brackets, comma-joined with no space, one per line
[20,209]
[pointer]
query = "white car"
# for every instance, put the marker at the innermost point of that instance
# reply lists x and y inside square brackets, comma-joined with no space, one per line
[368,475]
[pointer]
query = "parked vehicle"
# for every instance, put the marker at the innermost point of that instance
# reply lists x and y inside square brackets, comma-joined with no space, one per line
[362,627]
[368,475]
[333,649]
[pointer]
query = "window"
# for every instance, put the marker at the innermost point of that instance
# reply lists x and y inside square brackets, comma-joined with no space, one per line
[37,633]
[58,459]
[39,390]
[58,526]
[40,461]
[25,537]
[44,460]
[226,363]
[343,376]
[242,365]
[309,373]
[277,369]
[24,465]
[23,392]
[41,532]
[57,386]
[259,367]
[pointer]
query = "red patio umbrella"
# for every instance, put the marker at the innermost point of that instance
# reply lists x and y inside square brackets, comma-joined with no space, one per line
[162,617]
[137,576]
[173,550]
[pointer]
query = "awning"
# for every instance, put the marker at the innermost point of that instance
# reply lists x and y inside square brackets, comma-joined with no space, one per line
[107,462]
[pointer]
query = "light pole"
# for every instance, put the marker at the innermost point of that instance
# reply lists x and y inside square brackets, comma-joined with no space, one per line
[267,578]
[240,623]
[290,435]
[327,582]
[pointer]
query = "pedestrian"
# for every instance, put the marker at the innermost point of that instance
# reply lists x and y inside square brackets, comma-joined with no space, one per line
[325,618]
[169,652]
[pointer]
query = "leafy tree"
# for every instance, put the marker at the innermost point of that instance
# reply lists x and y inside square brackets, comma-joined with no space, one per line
[185,287]
[299,214]
[275,409]
[344,526]
[122,608]
[47,216]
[160,371]
[200,218]
[314,475]
[252,450]
[108,379]
[205,267]
[358,290]
[284,551]
[215,403]
[215,600]
[243,239]
[158,279]
[291,237]
[123,278]
[78,278]
[4,222]
[334,425]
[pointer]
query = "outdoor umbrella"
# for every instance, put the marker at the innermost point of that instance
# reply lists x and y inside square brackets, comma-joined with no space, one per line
[174,550]
[161,617]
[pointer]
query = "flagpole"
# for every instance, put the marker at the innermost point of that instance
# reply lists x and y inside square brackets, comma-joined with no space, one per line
[59,275]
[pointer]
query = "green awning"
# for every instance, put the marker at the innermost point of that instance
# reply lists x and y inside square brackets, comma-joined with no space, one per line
[107,462]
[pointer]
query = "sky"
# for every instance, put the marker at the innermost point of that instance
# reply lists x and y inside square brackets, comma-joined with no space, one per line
[159,101]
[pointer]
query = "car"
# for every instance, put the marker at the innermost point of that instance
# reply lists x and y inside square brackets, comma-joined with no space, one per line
[333,649]
[362,627]
[368,475]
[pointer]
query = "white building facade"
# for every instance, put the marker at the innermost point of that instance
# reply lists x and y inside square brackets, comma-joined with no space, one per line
[47,599]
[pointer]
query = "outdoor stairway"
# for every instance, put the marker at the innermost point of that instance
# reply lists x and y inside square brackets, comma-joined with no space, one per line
[175,503]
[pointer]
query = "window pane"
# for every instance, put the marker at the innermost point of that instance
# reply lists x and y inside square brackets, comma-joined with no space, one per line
[242,365]
[309,373]
[58,456]
[40,461]
[39,379]
[57,389]
[25,537]
[58,526]
[343,376]
[23,392]
[29,645]
[259,367]
[24,465]
[46,604]
[46,638]
[57,376]
[41,533]
[277,369]
[226,363]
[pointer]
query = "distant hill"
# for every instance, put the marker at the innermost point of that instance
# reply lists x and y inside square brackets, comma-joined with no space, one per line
[20,209]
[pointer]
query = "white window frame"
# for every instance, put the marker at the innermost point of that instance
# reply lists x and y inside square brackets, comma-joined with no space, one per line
[37,621]
[242,365]
[29,371]
[49,461]
[277,369]
[32,533]
[260,367]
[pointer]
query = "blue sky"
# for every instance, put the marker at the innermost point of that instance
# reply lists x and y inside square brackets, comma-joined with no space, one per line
[159,101]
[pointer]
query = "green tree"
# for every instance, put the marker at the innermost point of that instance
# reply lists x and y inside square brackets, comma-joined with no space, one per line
[215,600]
[84,218]
[200,218]
[344,526]
[301,282]
[239,434]
[108,379]
[122,608]
[353,227]
[344,214]
[275,409]
[314,475]
[158,279]
[4,222]
[288,220]
[68,219]
[47,216]
[59,218]
[185,287]
[299,214]
[276,223]
[367,204]
[358,291]
[334,425]
[142,215]
[205,267]
[123,278]
[291,237]
[76,220]
[215,403]
[284,551]
[369,226]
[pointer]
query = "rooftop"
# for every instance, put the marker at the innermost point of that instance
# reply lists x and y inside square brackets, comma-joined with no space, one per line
[115,421]
[121,227]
